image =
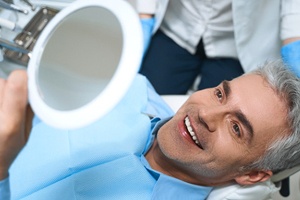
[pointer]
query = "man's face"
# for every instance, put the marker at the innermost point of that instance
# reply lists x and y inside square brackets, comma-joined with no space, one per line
[219,130]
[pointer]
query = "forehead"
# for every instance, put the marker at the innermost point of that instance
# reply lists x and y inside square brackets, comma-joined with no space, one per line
[262,106]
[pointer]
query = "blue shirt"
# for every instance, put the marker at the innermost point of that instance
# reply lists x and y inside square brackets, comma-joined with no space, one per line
[101,161]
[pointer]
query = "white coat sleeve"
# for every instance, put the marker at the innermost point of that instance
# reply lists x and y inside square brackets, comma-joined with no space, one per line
[146,6]
[290,19]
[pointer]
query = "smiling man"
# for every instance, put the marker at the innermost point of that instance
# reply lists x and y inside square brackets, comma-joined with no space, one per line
[218,131]
[242,131]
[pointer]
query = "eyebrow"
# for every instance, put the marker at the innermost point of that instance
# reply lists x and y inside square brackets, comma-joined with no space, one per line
[243,119]
[239,114]
[226,88]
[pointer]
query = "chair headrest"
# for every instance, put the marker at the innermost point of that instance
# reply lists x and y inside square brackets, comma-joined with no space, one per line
[284,174]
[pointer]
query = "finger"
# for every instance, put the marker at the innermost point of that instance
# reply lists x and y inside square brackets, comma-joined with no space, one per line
[15,95]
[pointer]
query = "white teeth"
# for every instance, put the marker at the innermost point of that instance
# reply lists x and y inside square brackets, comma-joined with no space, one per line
[190,130]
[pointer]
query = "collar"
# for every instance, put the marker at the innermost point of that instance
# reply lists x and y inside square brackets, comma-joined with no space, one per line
[168,187]
[156,123]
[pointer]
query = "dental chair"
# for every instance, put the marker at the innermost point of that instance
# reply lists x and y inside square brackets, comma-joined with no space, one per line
[282,186]
[271,189]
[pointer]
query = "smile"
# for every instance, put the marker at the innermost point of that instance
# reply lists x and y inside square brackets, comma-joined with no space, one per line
[191,132]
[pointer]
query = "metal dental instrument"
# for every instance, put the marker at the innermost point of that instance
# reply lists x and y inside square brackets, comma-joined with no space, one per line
[13,7]
[29,4]
[12,46]
[38,31]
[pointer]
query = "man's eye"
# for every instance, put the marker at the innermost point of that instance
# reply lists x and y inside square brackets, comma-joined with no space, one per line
[219,94]
[236,129]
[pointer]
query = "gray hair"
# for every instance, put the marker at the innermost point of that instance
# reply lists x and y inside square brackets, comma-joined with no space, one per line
[284,153]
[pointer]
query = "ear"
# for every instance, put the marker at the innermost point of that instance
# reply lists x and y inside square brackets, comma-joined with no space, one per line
[253,177]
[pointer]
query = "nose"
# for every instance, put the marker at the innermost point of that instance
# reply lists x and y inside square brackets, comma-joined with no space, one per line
[211,117]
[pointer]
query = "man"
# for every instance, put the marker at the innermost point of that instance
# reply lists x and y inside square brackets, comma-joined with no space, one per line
[242,131]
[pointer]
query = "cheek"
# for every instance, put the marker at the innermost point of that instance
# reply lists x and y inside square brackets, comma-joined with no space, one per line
[226,150]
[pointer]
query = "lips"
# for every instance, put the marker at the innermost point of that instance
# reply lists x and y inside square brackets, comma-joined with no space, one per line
[191,132]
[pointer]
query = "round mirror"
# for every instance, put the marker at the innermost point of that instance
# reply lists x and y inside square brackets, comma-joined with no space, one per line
[84,61]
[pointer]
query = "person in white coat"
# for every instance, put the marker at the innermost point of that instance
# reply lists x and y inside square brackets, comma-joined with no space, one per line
[216,40]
